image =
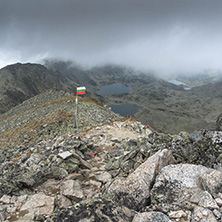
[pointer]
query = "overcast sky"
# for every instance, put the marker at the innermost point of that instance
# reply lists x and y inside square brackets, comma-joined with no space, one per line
[167,36]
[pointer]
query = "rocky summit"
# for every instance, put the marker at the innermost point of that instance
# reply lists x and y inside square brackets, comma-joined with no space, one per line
[118,170]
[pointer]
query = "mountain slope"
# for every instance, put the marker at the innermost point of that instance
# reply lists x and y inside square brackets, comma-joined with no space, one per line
[19,82]
[47,115]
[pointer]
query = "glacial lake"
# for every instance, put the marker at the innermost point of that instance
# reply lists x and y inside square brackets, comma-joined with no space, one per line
[114,89]
[125,110]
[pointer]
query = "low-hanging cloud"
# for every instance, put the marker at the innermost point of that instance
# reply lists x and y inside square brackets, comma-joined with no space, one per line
[166,36]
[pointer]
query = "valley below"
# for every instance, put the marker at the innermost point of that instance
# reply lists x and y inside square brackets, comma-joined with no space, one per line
[166,107]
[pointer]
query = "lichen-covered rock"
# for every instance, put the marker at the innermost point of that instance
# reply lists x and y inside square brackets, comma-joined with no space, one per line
[13,178]
[37,164]
[200,147]
[71,165]
[177,184]
[212,182]
[134,191]
[98,210]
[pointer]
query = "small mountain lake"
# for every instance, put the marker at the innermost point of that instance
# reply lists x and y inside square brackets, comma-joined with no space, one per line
[125,110]
[114,89]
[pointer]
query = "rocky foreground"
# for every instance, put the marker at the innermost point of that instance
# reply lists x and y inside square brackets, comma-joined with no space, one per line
[118,171]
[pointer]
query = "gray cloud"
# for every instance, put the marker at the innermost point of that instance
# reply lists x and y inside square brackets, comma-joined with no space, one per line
[167,36]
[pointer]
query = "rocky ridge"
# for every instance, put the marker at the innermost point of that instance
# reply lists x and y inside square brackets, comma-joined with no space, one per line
[118,171]
[61,172]
[48,115]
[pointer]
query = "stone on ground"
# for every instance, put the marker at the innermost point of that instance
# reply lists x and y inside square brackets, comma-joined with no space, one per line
[178,184]
[72,190]
[151,217]
[39,204]
[134,191]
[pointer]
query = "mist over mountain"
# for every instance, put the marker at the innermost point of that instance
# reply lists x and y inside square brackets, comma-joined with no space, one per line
[168,37]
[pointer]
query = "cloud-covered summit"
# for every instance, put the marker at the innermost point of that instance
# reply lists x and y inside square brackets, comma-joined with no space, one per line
[167,36]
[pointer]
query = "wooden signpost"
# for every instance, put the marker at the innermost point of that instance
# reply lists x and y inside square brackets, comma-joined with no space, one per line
[79,91]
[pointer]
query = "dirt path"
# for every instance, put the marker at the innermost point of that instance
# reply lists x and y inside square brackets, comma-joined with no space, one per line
[122,130]
[106,138]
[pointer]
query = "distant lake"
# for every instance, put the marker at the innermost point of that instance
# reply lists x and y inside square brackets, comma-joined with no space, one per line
[113,89]
[125,110]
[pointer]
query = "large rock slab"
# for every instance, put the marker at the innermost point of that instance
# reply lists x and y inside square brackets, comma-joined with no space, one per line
[134,191]
[39,204]
[178,184]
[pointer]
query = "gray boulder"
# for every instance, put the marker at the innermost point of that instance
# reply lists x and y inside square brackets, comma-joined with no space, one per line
[134,191]
[212,182]
[178,184]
